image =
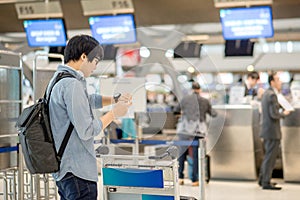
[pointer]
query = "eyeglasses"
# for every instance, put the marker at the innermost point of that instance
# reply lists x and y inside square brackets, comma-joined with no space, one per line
[97,60]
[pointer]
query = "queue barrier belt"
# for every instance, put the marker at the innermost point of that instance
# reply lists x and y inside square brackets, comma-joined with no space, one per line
[155,142]
[8,149]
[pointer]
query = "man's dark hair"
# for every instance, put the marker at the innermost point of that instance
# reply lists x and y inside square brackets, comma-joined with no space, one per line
[80,44]
[271,77]
[195,86]
[253,75]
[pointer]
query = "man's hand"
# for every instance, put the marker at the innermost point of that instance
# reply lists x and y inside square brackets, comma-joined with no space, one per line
[120,109]
[286,112]
[126,98]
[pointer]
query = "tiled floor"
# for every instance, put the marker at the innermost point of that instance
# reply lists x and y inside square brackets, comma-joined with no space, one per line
[237,190]
[244,190]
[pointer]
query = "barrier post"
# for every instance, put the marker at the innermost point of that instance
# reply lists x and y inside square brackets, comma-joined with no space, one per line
[201,160]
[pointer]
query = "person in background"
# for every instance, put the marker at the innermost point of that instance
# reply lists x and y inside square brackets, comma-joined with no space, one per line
[128,128]
[70,103]
[270,131]
[250,84]
[172,102]
[192,125]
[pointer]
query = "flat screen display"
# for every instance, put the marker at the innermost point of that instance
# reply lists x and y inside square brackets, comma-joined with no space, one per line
[110,52]
[50,32]
[187,50]
[113,29]
[239,48]
[246,23]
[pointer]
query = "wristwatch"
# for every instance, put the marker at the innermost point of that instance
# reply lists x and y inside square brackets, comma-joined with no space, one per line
[116,96]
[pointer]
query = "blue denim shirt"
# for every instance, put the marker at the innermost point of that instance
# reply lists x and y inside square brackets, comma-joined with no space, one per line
[70,102]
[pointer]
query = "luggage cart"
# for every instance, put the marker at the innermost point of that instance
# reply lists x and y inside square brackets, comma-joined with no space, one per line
[204,174]
[8,180]
[133,177]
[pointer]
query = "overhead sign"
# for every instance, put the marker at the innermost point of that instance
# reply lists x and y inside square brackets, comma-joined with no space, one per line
[238,3]
[36,10]
[15,1]
[245,23]
[96,7]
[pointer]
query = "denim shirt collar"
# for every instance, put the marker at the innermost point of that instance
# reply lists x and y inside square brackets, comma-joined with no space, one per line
[71,71]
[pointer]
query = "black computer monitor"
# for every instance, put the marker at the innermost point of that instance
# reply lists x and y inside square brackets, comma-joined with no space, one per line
[187,50]
[56,50]
[110,52]
[239,48]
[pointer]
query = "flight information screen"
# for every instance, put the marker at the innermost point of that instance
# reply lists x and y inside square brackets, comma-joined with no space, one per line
[49,32]
[246,23]
[113,29]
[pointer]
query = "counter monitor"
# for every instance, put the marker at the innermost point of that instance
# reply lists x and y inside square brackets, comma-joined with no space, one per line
[246,23]
[113,29]
[48,32]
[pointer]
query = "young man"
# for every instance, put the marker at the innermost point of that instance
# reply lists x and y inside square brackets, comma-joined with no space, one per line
[70,103]
[270,131]
[250,83]
[194,109]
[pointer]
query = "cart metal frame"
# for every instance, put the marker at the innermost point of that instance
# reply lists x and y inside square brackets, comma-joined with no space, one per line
[170,176]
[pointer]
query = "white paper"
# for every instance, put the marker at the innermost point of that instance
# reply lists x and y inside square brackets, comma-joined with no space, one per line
[236,95]
[284,103]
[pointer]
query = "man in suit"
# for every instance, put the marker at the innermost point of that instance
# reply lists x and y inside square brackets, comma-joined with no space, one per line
[194,109]
[270,131]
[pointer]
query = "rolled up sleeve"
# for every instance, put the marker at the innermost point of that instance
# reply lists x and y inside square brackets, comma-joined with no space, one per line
[95,101]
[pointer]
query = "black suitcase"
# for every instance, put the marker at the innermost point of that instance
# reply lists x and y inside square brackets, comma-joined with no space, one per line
[207,168]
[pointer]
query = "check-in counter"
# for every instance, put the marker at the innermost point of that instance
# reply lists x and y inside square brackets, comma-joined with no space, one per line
[291,146]
[237,153]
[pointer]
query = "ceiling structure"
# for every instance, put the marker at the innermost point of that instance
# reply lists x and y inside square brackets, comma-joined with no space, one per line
[191,17]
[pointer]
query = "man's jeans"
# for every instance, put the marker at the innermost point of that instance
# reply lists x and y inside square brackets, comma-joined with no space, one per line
[183,152]
[74,188]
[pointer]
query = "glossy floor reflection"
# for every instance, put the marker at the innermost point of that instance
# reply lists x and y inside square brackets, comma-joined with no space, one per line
[242,190]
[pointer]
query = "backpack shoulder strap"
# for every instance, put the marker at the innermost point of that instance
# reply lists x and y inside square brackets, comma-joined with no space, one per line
[60,76]
[64,143]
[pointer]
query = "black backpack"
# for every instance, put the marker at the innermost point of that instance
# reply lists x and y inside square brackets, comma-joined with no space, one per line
[36,136]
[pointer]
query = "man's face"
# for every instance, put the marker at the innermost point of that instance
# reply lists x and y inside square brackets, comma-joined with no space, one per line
[252,82]
[88,67]
[276,83]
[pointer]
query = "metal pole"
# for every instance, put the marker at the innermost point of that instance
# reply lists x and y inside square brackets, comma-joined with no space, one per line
[175,179]
[201,160]
[31,186]
[14,183]
[5,190]
[20,161]
[37,186]
[46,188]
[34,68]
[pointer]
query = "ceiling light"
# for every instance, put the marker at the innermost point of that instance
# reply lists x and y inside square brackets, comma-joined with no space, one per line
[289,46]
[169,53]
[196,37]
[191,70]
[144,52]
[277,47]
[250,68]
[265,48]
